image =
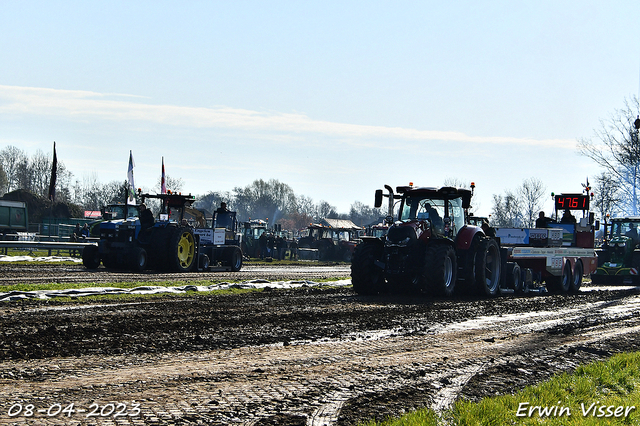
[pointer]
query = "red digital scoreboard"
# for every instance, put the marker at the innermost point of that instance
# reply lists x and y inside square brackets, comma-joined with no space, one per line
[572,202]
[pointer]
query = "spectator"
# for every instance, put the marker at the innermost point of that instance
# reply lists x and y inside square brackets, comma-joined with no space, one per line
[567,217]
[146,217]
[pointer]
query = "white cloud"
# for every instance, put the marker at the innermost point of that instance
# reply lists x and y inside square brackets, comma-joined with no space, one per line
[83,105]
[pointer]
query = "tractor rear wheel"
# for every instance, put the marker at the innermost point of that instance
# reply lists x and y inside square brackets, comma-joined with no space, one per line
[487,267]
[439,275]
[91,257]
[182,250]
[366,277]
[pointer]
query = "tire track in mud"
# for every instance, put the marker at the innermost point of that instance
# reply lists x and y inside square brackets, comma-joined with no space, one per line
[304,383]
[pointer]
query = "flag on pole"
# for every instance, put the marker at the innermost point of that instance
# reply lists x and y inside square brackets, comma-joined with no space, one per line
[163,183]
[132,188]
[54,173]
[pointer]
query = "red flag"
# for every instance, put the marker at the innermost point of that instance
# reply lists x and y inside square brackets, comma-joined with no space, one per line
[54,173]
[163,184]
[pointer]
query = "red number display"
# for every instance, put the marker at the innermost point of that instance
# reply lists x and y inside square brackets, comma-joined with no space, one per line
[572,202]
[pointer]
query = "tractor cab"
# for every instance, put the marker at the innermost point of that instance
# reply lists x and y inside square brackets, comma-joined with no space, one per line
[173,207]
[430,212]
[625,228]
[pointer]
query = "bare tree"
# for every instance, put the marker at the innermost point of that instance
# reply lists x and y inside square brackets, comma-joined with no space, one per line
[362,215]
[456,183]
[532,194]
[264,199]
[326,210]
[211,201]
[506,211]
[12,160]
[606,195]
[172,184]
[617,150]
[4,182]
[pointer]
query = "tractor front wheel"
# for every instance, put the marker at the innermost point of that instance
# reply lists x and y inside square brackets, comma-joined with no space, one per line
[439,275]
[138,259]
[366,276]
[234,257]
[91,257]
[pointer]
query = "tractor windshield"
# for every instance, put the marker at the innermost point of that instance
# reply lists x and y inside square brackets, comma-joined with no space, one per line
[627,228]
[421,208]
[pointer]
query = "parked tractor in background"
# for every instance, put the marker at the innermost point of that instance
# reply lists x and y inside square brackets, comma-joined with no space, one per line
[251,232]
[335,239]
[619,255]
[13,218]
[174,242]
[429,248]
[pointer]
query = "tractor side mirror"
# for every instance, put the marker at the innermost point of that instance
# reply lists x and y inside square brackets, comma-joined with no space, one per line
[378,199]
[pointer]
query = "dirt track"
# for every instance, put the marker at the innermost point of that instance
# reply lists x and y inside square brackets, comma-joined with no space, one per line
[305,356]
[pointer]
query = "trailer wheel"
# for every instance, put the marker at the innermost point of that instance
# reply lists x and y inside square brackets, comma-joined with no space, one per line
[576,282]
[139,259]
[513,274]
[366,277]
[204,262]
[182,250]
[91,257]
[562,283]
[235,259]
[487,267]
[527,280]
[440,269]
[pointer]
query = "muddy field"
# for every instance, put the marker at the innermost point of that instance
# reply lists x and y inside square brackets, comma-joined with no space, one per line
[313,355]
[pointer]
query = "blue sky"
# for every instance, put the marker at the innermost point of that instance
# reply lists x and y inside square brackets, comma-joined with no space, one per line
[334,98]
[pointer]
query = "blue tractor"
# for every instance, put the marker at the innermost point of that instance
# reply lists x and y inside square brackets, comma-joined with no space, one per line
[175,241]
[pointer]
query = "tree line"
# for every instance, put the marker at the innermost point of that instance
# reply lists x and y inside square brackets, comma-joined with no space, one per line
[270,199]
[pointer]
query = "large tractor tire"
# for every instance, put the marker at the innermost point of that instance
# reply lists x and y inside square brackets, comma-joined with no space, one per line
[234,258]
[440,268]
[487,267]
[91,257]
[366,277]
[561,284]
[181,254]
[138,259]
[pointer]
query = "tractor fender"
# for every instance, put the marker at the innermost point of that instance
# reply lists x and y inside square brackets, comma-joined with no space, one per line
[466,235]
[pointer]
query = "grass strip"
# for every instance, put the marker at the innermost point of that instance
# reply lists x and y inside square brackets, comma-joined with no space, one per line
[599,393]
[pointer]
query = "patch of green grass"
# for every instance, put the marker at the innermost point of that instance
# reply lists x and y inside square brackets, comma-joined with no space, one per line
[589,396]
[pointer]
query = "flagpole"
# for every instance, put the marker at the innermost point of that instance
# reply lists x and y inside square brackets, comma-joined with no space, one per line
[52,184]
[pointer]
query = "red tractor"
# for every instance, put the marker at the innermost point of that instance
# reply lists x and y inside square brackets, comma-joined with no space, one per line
[430,248]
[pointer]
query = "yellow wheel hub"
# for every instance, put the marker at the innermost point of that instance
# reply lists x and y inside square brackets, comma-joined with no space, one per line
[186,249]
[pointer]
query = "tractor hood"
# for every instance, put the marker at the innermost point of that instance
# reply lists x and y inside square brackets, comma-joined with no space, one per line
[406,231]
